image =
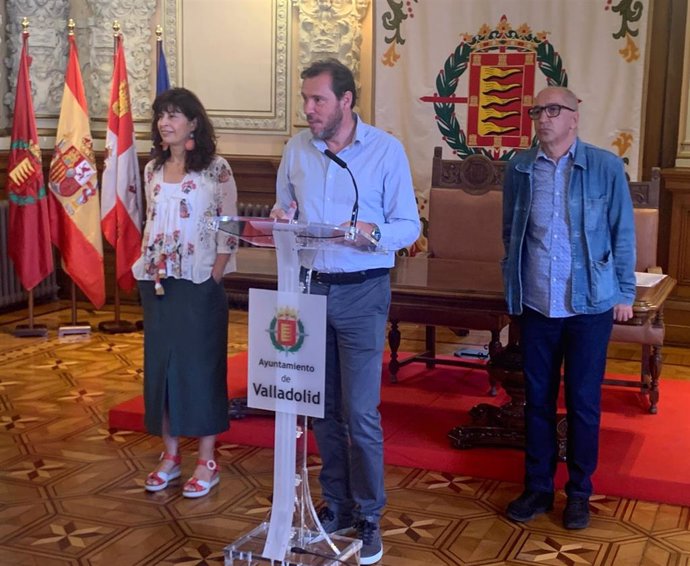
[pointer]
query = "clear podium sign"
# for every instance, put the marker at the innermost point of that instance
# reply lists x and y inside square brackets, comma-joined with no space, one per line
[287,352]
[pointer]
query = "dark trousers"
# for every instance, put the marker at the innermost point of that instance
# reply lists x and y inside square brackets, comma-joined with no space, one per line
[579,344]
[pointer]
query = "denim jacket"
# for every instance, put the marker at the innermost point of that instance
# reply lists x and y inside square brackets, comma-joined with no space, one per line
[602,229]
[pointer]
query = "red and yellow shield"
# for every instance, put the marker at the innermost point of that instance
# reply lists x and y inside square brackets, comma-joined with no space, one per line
[501,86]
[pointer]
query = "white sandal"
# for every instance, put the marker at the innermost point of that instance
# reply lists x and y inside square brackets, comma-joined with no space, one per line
[162,479]
[194,487]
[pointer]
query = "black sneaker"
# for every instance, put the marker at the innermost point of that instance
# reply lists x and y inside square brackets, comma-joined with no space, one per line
[372,546]
[576,513]
[529,505]
[332,523]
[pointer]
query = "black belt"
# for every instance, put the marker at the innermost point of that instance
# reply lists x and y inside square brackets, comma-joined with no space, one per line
[346,278]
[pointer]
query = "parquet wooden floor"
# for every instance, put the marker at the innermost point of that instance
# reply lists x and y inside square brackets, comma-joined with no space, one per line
[71,490]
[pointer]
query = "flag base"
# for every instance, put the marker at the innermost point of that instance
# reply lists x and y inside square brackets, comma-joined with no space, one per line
[75,328]
[30,331]
[116,327]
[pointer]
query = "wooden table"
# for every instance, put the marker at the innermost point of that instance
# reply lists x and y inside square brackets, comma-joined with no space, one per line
[442,292]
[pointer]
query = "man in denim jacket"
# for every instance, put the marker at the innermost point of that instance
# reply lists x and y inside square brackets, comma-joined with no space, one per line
[569,272]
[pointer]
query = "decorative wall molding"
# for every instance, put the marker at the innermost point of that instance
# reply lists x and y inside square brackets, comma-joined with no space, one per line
[135,18]
[47,49]
[228,118]
[330,28]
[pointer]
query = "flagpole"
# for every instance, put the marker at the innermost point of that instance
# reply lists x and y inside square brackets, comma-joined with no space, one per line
[116,326]
[73,327]
[31,329]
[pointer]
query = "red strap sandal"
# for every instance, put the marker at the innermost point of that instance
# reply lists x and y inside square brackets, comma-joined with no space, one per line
[157,480]
[194,487]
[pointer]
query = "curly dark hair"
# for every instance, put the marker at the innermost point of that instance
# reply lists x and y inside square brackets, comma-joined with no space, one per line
[342,79]
[185,101]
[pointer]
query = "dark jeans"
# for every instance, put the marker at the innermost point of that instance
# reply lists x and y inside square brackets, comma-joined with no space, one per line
[579,344]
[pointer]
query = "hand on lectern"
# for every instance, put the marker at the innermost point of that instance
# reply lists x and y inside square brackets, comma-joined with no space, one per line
[364,227]
[282,214]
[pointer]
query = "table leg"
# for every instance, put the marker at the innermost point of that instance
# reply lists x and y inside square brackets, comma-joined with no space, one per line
[394,344]
[655,363]
[495,348]
[498,425]
[430,334]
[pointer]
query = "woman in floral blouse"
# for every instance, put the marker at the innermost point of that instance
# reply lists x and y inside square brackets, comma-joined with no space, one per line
[180,274]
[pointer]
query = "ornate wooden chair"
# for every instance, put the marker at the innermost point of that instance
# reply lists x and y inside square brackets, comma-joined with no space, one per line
[465,219]
[648,333]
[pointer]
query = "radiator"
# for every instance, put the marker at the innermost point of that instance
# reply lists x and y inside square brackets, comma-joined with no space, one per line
[249,209]
[11,290]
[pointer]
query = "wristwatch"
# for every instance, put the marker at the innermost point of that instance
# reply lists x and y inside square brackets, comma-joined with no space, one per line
[375,233]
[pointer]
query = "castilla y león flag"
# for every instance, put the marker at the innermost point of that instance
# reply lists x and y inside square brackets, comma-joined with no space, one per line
[29,231]
[121,201]
[74,209]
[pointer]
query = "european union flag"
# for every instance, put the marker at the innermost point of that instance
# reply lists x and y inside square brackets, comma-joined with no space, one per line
[162,78]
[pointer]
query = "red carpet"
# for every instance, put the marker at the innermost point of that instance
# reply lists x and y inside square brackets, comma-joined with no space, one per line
[642,456]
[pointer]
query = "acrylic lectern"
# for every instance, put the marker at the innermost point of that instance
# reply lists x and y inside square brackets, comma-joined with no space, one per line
[293,536]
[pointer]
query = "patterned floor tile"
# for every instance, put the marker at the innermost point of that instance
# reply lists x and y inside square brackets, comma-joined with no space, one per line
[482,540]
[640,553]
[66,536]
[71,489]
[555,550]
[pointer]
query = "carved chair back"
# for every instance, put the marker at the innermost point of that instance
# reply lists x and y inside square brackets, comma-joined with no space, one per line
[465,210]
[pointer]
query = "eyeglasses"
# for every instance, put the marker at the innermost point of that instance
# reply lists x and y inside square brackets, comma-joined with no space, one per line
[552,110]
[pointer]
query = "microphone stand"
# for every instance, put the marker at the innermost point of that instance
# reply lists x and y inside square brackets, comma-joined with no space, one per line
[352,232]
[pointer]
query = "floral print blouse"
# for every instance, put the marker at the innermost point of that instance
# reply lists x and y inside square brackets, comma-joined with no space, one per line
[178,240]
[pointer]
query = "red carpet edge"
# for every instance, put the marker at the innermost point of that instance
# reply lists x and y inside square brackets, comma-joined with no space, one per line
[642,456]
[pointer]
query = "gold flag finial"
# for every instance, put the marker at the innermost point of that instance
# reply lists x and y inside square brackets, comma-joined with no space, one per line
[25,25]
[116,28]
[159,33]
[70,26]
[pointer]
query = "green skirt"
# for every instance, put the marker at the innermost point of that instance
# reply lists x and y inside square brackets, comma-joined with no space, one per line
[185,357]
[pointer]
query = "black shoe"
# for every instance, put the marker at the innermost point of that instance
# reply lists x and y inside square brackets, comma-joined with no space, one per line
[529,505]
[576,513]
[332,523]
[372,546]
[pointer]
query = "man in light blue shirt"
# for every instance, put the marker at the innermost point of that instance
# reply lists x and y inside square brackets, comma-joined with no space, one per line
[314,188]
[569,236]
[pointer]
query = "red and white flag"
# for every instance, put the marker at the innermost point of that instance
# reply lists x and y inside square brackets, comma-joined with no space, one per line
[121,201]
[74,209]
[29,230]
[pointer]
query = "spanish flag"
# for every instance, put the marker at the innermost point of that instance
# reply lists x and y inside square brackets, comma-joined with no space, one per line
[121,201]
[74,207]
[29,231]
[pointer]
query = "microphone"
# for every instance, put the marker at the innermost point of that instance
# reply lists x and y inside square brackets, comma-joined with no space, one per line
[351,234]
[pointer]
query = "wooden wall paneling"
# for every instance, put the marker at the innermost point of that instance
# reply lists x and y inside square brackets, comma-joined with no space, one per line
[677,311]
[664,81]
[678,185]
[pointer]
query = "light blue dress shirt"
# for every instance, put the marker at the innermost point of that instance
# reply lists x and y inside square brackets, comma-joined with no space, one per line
[324,193]
[547,265]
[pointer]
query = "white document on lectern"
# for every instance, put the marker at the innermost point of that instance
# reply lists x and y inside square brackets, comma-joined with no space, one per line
[287,352]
